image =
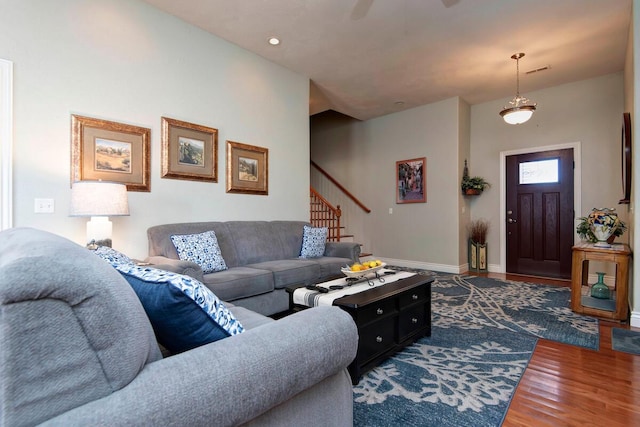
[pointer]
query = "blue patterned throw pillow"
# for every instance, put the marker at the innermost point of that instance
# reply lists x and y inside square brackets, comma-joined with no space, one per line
[200,248]
[112,256]
[313,241]
[183,312]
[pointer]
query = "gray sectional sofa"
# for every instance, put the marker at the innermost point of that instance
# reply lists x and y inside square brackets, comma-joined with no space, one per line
[77,349]
[263,258]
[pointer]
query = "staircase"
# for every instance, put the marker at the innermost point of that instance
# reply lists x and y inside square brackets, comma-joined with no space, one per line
[324,214]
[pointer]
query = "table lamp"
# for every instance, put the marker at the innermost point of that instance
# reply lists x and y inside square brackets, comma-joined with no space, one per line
[99,200]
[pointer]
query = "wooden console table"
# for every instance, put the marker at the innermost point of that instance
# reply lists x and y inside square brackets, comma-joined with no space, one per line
[616,308]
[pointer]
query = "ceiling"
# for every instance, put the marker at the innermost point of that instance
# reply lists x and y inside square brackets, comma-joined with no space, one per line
[367,58]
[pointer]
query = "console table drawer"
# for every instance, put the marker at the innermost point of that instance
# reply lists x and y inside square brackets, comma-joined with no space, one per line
[413,296]
[411,321]
[377,311]
[375,339]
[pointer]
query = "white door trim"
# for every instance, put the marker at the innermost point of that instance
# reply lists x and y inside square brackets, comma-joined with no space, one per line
[6,144]
[577,189]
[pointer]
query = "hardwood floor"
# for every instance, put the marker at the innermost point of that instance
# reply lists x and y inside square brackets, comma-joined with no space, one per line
[566,385]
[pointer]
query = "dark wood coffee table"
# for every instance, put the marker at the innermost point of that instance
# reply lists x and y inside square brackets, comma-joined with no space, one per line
[388,318]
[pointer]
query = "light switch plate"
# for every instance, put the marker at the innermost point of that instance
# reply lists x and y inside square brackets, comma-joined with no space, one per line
[43,206]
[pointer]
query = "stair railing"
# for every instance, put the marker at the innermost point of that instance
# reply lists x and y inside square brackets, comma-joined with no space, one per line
[324,214]
[341,187]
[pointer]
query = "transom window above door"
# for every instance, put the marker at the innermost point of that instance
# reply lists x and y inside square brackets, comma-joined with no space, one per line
[538,172]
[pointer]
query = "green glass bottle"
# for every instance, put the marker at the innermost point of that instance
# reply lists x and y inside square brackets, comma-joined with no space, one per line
[599,289]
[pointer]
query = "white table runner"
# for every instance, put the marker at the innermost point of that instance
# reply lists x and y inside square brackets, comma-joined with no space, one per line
[311,298]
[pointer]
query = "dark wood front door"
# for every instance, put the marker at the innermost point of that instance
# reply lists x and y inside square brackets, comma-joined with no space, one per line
[540,213]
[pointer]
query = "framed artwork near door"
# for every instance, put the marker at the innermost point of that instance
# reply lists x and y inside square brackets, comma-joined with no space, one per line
[411,179]
[626,159]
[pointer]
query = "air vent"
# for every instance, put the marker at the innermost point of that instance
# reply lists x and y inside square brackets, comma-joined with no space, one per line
[537,70]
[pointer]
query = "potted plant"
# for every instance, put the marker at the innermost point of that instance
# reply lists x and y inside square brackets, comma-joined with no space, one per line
[474,185]
[585,233]
[478,231]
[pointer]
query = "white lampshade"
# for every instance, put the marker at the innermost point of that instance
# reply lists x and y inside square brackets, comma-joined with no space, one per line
[99,200]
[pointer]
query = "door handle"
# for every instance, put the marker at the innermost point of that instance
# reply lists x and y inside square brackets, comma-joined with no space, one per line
[511,220]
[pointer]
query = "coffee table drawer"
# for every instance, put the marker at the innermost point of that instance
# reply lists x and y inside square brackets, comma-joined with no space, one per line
[375,339]
[411,321]
[413,296]
[376,311]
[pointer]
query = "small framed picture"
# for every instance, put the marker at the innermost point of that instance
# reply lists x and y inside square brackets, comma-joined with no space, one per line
[189,151]
[411,178]
[247,169]
[110,151]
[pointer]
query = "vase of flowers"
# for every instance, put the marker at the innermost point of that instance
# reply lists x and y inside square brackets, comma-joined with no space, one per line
[584,230]
[603,223]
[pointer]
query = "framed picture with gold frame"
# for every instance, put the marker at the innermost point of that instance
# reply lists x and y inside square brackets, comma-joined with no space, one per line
[110,151]
[247,169]
[189,151]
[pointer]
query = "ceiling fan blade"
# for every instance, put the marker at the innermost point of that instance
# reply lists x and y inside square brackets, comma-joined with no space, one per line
[361,9]
[449,3]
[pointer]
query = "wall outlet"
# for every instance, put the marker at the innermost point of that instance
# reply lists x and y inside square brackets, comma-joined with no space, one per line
[43,206]
[390,211]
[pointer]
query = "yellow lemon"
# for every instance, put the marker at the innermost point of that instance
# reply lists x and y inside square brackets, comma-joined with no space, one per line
[356,267]
[378,262]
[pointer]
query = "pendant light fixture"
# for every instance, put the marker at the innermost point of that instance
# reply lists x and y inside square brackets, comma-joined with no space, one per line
[519,109]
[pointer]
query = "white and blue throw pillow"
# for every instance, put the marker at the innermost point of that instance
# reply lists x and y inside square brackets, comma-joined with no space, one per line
[112,256]
[313,241]
[200,248]
[183,312]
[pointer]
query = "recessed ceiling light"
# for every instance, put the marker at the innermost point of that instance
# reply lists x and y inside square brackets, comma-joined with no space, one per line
[274,41]
[399,103]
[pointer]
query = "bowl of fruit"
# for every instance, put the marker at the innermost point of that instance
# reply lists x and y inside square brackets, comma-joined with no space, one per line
[361,269]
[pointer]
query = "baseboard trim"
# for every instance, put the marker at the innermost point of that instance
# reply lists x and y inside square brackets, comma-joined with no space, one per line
[635,319]
[444,268]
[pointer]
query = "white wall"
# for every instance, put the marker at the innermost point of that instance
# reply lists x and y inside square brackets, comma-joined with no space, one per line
[633,101]
[589,112]
[362,156]
[126,61]
[464,203]
[6,136]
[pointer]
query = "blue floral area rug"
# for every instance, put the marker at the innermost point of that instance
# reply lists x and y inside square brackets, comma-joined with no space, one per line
[539,310]
[484,332]
[625,340]
[458,377]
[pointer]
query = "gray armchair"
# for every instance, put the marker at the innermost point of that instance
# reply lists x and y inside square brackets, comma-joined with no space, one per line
[76,348]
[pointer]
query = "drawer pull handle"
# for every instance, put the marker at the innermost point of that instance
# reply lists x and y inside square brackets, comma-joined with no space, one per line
[414,320]
[414,297]
[379,311]
[378,339]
